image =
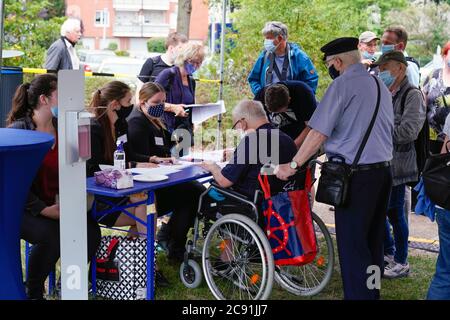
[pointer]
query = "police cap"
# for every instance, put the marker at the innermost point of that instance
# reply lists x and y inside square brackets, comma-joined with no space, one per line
[340,45]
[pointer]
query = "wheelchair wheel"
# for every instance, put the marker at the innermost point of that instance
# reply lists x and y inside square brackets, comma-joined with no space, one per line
[191,274]
[312,278]
[237,260]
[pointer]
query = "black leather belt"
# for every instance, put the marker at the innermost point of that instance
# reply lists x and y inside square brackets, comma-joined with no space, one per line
[378,165]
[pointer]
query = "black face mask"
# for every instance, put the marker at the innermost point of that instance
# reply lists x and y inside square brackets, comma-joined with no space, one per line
[124,112]
[333,72]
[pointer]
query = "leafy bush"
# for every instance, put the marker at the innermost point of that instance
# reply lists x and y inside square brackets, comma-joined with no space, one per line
[156,45]
[122,53]
[113,46]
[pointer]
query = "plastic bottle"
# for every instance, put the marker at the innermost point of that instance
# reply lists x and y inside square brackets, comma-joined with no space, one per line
[119,157]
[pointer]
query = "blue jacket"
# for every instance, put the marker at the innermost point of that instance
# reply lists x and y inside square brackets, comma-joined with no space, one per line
[300,68]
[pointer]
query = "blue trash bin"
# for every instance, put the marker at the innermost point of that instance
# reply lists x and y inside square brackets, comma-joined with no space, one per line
[11,78]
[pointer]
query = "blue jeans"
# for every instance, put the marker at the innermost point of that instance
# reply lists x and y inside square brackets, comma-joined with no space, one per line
[440,285]
[397,246]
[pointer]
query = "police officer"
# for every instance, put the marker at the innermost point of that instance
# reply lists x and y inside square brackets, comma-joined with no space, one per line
[341,121]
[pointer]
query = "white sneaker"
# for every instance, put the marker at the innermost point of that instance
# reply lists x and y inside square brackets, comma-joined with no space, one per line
[396,270]
[388,260]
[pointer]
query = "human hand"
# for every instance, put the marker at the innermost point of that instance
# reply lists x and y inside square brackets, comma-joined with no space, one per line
[367,62]
[284,171]
[179,111]
[208,165]
[51,212]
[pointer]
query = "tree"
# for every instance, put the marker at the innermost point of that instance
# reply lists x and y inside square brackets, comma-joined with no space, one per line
[184,16]
[427,27]
[27,30]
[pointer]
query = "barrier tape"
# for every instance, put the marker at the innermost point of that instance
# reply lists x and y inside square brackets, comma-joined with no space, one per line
[102,74]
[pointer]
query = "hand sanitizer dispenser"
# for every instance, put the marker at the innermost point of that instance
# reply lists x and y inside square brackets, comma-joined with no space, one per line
[78,144]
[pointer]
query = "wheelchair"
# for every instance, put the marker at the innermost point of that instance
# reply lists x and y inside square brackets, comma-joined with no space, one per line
[237,259]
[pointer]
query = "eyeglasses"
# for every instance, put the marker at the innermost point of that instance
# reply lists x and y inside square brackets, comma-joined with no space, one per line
[235,124]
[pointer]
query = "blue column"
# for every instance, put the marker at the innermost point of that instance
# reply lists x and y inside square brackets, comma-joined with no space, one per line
[21,154]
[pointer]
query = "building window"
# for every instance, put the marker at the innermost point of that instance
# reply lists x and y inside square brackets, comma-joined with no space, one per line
[101,18]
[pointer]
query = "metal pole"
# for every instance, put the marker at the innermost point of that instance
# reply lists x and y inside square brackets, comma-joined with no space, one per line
[222,58]
[2,10]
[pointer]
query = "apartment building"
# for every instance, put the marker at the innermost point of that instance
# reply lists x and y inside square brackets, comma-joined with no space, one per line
[130,23]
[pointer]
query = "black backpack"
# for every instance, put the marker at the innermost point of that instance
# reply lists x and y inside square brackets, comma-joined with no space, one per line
[422,143]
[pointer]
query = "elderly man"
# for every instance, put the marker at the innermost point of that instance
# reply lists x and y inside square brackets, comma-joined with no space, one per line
[396,39]
[281,60]
[61,54]
[368,47]
[341,120]
[242,171]
[409,115]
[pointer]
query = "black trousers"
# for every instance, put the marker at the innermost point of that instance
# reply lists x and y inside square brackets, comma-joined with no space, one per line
[43,234]
[182,200]
[360,231]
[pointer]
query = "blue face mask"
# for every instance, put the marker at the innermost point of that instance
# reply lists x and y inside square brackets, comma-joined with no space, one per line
[387,78]
[269,46]
[448,63]
[387,48]
[156,111]
[55,111]
[190,68]
[367,55]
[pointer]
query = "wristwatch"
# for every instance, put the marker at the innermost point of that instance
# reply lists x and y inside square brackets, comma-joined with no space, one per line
[293,165]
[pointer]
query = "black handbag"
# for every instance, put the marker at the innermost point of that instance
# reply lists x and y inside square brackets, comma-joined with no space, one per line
[436,178]
[335,174]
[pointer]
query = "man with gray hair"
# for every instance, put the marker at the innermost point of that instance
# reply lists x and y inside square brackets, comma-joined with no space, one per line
[280,61]
[61,55]
[342,121]
[261,144]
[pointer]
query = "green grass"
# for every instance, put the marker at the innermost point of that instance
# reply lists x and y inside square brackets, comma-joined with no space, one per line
[413,287]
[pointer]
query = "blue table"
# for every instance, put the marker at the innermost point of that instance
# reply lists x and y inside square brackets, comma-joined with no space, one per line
[185,175]
[21,154]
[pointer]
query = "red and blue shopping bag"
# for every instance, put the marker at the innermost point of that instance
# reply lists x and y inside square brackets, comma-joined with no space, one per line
[289,225]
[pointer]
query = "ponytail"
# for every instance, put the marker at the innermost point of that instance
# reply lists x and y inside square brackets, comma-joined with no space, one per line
[26,97]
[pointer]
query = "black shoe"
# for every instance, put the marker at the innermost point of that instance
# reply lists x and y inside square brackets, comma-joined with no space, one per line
[160,280]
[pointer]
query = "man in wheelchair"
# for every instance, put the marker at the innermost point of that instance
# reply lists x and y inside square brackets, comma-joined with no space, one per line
[235,186]
[235,189]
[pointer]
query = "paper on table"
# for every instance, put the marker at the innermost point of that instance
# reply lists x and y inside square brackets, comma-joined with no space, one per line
[210,155]
[202,112]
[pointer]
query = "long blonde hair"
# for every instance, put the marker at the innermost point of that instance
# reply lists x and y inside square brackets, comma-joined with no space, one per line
[147,91]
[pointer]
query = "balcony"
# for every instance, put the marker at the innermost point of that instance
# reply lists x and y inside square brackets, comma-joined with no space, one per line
[136,5]
[140,31]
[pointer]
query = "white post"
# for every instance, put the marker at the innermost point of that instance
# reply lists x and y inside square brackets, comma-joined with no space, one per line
[105,11]
[72,191]
[222,57]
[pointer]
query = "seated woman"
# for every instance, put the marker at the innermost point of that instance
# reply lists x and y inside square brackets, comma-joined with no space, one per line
[112,104]
[148,135]
[35,108]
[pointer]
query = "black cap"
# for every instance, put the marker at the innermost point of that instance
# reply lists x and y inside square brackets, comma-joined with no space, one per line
[339,45]
[391,56]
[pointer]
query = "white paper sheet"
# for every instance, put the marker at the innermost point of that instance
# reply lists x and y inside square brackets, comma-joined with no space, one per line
[202,112]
